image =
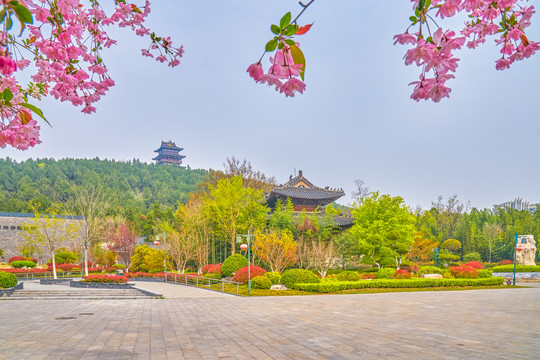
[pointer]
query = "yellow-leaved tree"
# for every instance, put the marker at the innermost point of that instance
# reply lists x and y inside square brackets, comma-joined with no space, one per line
[276,248]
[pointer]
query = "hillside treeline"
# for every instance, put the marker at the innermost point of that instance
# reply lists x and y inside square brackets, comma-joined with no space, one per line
[131,186]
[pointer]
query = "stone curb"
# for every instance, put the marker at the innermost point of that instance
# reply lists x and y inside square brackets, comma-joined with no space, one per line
[9,291]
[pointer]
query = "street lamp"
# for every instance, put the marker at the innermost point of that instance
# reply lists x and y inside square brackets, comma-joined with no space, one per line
[156,243]
[244,247]
[515,258]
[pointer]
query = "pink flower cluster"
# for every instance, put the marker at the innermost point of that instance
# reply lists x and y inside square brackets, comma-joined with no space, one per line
[65,44]
[283,73]
[434,51]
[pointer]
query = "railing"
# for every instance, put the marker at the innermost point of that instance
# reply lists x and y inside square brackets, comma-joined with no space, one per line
[48,275]
[219,285]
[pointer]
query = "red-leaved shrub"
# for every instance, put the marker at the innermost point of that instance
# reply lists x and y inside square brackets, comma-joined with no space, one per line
[68,267]
[369,276]
[464,272]
[411,268]
[205,268]
[106,279]
[475,264]
[16,258]
[241,275]
[215,268]
[402,274]
[506,262]
[26,271]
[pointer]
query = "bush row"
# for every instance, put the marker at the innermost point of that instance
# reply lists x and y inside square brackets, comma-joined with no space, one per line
[106,279]
[326,287]
[519,268]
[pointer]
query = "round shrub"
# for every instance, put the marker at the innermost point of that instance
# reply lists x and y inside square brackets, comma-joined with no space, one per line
[484,273]
[119,266]
[23,263]
[472,256]
[296,276]
[216,268]
[205,268]
[402,274]
[233,263]
[475,264]
[386,273]
[274,277]
[349,276]
[464,272]
[7,280]
[369,276]
[67,267]
[241,275]
[430,270]
[212,275]
[506,262]
[261,282]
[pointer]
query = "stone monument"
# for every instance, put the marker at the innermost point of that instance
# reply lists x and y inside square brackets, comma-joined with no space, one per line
[527,254]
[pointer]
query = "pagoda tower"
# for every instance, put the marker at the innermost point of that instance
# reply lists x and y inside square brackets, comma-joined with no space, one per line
[307,197]
[168,154]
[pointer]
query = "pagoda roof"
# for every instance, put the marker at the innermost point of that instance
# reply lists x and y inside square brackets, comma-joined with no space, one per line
[301,188]
[168,145]
[169,156]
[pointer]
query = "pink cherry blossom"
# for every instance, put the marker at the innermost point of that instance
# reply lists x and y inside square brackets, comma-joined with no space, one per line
[255,71]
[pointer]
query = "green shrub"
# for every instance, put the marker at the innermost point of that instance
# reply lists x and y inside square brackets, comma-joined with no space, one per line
[23,263]
[213,276]
[482,273]
[326,287]
[430,270]
[371,270]
[261,282]
[519,268]
[65,257]
[386,273]
[472,256]
[119,266]
[233,263]
[349,276]
[296,276]
[274,277]
[7,280]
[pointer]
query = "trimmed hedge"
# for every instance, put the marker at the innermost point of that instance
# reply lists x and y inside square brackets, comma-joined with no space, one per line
[212,275]
[430,270]
[326,287]
[7,280]
[519,268]
[23,263]
[295,276]
[349,276]
[233,263]
[274,277]
[386,273]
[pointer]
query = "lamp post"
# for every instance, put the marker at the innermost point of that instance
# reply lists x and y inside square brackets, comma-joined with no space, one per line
[239,240]
[515,258]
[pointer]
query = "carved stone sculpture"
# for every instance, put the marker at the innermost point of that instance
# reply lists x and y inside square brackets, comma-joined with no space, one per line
[527,254]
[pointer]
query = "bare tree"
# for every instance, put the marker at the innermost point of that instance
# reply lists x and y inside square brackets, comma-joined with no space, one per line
[252,178]
[322,256]
[491,231]
[181,247]
[360,192]
[92,205]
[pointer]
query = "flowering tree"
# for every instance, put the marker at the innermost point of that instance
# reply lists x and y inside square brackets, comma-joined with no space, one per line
[277,248]
[63,39]
[433,48]
[123,241]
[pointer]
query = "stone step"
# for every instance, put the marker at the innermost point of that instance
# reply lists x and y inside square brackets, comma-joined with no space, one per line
[79,293]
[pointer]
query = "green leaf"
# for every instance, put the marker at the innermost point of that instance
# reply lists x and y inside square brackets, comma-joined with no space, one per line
[421,4]
[275,29]
[9,22]
[428,3]
[290,42]
[413,19]
[7,95]
[291,30]
[2,15]
[271,45]
[298,58]
[24,15]
[281,45]
[285,20]
[35,110]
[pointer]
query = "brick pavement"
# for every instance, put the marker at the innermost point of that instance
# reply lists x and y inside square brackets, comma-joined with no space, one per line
[476,324]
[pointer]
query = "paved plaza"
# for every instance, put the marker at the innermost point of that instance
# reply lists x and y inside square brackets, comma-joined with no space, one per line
[476,324]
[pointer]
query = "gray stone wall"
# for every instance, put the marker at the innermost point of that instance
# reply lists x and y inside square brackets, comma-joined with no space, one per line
[10,238]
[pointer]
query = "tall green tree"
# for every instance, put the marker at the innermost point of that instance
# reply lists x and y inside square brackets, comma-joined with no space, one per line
[236,209]
[384,228]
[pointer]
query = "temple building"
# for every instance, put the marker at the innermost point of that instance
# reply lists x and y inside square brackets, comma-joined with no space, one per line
[306,196]
[168,154]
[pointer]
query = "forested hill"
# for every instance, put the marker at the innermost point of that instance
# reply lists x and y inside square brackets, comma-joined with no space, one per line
[130,185]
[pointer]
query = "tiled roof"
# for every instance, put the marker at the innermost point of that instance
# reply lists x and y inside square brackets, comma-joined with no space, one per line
[301,188]
[169,145]
[343,221]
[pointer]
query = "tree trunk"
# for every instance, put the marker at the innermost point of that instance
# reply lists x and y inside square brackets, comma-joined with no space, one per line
[54,265]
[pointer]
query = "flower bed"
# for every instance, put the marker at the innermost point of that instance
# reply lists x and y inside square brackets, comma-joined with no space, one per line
[115,279]
[326,287]
[25,271]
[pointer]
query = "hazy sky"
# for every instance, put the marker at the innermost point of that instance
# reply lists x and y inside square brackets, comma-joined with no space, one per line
[355,120]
